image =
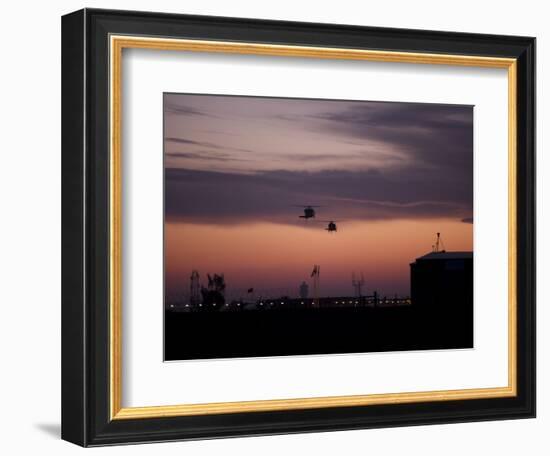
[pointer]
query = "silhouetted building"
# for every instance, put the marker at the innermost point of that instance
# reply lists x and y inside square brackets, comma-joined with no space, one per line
[443,280]
[304,290]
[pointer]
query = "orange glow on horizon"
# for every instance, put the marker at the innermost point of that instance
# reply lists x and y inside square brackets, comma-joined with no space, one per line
[269,256]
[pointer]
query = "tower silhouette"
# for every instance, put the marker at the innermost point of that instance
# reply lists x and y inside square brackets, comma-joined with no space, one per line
[195,288]
[357,284]
[304,290]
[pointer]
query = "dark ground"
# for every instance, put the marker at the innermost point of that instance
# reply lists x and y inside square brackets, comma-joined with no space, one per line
[278,332]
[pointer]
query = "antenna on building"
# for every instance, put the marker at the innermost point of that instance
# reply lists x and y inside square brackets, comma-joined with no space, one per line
[357,284]
[194,295]
[439,246]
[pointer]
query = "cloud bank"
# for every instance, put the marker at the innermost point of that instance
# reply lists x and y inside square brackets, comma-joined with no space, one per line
[244,159]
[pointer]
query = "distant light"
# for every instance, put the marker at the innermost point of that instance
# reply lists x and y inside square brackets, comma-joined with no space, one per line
[282,302]
[172,305]
[336,302]
[271,303]
[302,303]
[351,302]
[186,305]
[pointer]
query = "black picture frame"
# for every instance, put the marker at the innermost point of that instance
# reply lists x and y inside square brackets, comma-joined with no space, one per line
[86,416]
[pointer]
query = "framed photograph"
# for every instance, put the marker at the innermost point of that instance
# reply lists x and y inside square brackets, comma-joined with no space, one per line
[243,261]
[279,227]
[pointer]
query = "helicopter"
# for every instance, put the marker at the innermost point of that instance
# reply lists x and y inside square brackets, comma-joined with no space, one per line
[309,212]
[331,227]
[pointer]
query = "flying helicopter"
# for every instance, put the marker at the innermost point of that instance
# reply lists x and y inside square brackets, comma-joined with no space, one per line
[309,212]
[331,227]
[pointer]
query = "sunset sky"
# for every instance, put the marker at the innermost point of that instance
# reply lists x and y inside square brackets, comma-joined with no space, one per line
[391,174]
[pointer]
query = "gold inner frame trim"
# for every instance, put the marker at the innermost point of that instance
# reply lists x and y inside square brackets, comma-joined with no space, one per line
[117,44]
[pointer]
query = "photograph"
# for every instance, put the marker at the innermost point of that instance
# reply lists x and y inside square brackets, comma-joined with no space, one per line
[283,223]
[316,226]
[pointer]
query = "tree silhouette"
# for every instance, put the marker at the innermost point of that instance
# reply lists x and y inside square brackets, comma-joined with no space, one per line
[213,297]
